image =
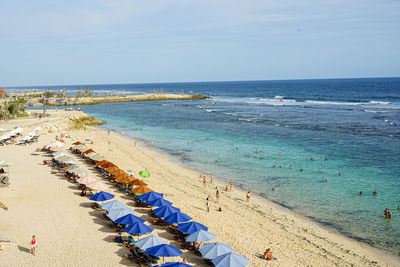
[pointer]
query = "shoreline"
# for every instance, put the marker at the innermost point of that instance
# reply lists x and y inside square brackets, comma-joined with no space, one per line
[249,227]
[323,225]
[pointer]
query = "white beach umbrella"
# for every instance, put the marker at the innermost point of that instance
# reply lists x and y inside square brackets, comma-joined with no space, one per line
[55,144]
[19,130]
[86,180]
[78,171]
[99,186]
[2,130]
[12,132]
[89,155]
[97,157]
[27,138]
[61,153]
[79,147]
[37,129]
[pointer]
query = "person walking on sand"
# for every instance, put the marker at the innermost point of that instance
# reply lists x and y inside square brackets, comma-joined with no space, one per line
[248,196]
[217,196]
[211,178]
[204,182]
[230,185]
[208,205]
[33,245]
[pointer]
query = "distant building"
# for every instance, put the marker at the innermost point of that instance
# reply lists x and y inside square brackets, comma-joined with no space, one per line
[2,92]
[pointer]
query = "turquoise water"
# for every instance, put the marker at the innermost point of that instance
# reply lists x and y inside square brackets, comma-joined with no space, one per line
[354,123]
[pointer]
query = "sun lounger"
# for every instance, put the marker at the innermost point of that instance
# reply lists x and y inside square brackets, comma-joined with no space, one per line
[187,246]
[273,259]
[95,205]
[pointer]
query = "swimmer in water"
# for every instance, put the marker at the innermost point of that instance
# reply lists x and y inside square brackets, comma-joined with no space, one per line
[327,180]
[313,158]
[256,150]
[290,166]
[398,207]
[325,158]
[273,189]
[301,170]
[280,154]
[360,192]
[273,165]
[387,213]
[339,173]
[374,192]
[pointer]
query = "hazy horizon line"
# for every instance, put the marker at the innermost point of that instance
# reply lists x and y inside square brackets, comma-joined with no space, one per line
[215,81]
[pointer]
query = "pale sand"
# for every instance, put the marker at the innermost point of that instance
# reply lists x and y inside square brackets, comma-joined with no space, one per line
[71,234]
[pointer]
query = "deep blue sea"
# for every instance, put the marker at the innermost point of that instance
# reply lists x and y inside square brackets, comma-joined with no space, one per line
[354,123]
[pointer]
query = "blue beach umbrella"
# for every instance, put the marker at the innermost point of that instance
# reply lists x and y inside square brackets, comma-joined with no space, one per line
[158,202]
[215,249]
[114,214]
[150,196]
[138,228]
[129,219]
[175,264]
[191,227]
[200,236]
[101,196]
[230,259]
[165,211]
[177,217]
[149,242]
[163,250]
[113,205]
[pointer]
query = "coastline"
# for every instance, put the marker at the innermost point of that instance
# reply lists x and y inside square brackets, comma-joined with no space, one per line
[249,228]
[325,225]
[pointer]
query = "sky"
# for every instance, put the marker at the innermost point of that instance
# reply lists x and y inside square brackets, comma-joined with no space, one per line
[142,41]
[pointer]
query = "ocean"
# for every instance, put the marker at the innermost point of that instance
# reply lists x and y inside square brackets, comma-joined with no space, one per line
[351,126]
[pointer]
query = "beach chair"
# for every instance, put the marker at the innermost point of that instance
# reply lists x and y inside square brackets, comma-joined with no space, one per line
[149,263]
[186,246]
[95,206]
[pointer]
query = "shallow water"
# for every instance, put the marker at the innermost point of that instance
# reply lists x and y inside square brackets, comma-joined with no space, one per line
[355,123]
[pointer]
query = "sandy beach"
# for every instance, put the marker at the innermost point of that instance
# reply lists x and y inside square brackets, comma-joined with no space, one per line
[70,233]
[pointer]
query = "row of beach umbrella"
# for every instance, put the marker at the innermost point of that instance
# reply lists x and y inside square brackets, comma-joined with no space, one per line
[222,255]
[120,213]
